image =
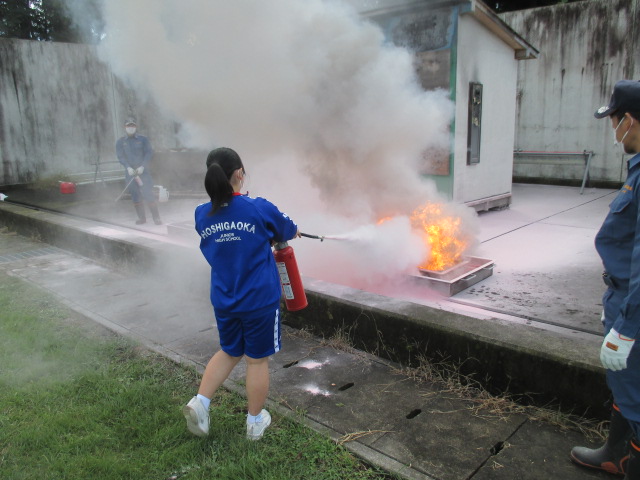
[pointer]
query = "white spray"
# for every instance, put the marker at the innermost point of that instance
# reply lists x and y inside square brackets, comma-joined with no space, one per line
[329,119]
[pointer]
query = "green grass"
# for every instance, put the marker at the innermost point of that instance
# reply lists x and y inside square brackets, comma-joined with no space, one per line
[79,403]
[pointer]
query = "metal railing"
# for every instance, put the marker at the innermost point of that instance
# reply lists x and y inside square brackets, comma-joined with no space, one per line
[114,172]
[586,154]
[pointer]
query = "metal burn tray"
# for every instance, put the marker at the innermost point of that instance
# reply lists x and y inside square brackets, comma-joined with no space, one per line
[461,276]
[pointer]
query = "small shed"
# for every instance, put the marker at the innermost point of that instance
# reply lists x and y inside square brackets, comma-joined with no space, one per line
[462,46]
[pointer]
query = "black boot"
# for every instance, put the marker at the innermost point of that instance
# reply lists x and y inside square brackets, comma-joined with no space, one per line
[613,456]
[633,466]
[142,218]
[154,212]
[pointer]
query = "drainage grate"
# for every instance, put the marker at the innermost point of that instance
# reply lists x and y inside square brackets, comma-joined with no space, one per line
[39,252]
[413,413]
[497,448]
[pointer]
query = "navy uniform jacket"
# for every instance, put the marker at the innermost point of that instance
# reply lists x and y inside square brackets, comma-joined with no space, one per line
[236,241]
[618,244]
[134,151]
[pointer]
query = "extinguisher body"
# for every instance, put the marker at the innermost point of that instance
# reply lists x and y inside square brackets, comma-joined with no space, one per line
[294,296]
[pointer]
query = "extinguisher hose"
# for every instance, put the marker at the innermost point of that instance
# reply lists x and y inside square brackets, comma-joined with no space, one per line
[125,188]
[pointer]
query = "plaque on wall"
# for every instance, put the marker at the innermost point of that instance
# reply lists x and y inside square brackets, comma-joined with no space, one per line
[433,69]
[422,31]
[429,35]
[435,162]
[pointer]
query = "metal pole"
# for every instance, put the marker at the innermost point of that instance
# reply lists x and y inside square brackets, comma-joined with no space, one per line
[586,170]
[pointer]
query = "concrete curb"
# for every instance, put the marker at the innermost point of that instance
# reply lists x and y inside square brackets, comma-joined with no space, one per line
[545,367]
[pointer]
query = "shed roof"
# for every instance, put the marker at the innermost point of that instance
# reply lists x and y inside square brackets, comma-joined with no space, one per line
[476,8]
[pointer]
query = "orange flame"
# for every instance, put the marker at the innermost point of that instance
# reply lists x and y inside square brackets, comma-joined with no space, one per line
[443,235]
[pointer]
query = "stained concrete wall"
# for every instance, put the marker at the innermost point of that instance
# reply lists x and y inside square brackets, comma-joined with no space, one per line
[61,109]
[495,67]
[585,47]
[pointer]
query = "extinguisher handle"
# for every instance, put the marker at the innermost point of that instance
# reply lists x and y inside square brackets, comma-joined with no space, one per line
[280,245]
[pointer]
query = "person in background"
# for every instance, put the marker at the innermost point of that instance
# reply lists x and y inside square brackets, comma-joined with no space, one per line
[236,234]
[618,244]
[134,153]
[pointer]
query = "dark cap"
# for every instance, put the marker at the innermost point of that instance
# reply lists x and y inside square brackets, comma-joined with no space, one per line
[130,121]
[625,96]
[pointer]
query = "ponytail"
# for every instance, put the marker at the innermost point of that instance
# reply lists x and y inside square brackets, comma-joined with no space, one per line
[221,163]
[218,187]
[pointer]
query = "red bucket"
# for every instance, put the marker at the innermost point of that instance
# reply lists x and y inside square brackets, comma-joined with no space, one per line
[67,187]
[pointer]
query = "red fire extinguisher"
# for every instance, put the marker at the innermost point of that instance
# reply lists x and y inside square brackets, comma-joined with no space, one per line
[292,289]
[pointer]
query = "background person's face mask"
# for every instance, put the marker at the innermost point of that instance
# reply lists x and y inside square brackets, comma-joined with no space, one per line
[130,130]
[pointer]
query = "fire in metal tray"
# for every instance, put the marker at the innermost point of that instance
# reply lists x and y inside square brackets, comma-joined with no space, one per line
[444,235]
[469,271]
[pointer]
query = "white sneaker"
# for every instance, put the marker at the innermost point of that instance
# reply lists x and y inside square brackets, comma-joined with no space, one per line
[197,417]
[256,430]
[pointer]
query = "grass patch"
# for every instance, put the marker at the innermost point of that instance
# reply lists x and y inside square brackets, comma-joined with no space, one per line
[78,402]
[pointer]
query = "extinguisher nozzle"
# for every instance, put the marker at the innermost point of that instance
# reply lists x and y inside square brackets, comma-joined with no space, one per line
[317,237]
[322,238]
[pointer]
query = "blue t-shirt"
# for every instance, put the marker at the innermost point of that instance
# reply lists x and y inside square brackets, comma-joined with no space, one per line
[236,241]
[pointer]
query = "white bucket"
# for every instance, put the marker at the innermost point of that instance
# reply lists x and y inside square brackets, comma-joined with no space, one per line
[161,193]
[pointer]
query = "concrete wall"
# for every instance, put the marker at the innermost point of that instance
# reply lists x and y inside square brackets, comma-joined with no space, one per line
[585,47]
[61,109]
[495,67]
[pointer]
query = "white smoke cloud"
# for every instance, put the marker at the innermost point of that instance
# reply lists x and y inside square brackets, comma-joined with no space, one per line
[328,118]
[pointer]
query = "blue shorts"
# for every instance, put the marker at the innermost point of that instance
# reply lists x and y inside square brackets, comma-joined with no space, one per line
[253,335]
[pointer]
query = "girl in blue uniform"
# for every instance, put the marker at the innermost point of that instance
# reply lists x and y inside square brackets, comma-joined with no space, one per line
[236,233]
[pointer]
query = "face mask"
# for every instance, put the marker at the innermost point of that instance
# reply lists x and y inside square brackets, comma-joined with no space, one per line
[132,130]
[615,133]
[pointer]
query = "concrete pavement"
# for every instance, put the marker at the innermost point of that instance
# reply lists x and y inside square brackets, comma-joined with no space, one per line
[416,429]
[547,267]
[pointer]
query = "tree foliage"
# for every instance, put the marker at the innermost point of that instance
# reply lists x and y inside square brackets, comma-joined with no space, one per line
[500,6]
[50,20]
[17,19]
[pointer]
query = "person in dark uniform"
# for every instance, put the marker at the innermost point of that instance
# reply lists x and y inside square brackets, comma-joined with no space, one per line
[134,153]
[618,244]
[236,233]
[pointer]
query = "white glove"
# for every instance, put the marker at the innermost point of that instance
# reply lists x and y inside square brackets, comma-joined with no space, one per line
[140,170]
[131,171]
[615,351]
